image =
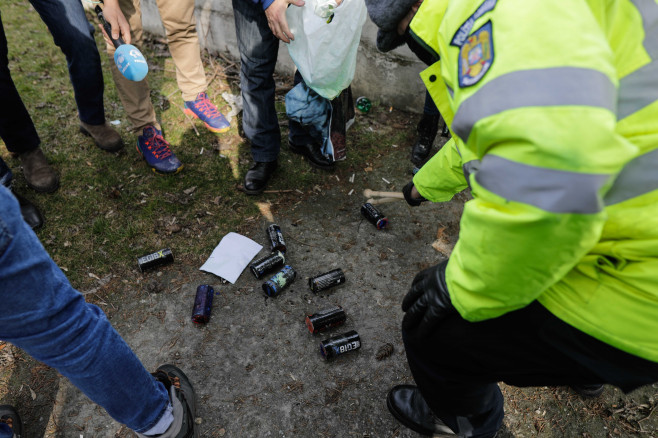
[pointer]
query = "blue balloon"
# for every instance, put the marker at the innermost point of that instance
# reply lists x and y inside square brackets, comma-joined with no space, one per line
[130,62]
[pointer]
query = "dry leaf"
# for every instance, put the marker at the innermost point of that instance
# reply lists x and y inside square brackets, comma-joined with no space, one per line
[443,247]
[384,351]
[174,228]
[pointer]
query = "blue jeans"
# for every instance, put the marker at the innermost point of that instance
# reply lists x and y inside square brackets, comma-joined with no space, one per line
[42,314]
[297,133]
[72,33]
[258,53]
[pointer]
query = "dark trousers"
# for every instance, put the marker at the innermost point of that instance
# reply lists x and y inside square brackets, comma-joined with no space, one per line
[72,32]
[16,127]
[458,367]
[258,54]
[6,176]
[429,108]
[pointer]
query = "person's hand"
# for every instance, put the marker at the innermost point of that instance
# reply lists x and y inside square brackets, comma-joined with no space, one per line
[412,196]
[404,23]
[428,301]
[276,18]
[116,19]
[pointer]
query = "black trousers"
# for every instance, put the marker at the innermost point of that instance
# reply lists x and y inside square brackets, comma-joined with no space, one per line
[457,368]
[16,127]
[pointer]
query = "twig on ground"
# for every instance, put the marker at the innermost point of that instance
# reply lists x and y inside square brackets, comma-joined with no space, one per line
[188,119]
[231,64]
[216,72]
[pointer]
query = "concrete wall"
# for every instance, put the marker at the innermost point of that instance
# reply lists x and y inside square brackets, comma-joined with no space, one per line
[389,78]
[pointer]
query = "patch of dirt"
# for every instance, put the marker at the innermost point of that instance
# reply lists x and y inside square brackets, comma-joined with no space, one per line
[256,368]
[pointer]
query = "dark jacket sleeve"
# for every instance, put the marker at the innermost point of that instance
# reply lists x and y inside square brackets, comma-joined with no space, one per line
[386,14]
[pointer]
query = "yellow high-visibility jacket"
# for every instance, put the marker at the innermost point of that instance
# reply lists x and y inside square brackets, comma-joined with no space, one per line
[553,107]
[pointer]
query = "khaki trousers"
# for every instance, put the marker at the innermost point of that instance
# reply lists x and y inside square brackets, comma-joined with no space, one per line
[180,26]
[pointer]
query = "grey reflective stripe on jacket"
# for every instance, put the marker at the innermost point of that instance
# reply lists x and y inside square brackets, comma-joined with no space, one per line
[638,177]
[555,191]
[558,86]
[649,11]
[640,88]
[559,191]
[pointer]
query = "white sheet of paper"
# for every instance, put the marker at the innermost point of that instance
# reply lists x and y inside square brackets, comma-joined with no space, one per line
[231,256]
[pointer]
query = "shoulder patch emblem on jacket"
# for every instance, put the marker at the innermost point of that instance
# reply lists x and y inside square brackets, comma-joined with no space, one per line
[464,30]
[476,55]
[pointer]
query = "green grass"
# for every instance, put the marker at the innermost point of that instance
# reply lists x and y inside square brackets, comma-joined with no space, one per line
[111,208]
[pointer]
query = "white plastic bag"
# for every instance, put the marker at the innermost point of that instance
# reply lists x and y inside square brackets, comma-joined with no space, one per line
[324,49]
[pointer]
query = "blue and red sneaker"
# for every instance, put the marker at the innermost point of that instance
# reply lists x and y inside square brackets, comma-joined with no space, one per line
[156,151]
[203,109]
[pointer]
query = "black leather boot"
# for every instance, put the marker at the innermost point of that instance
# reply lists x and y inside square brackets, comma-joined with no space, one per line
[410,408]
[257,176]
[427,129]
[29,211]
[312,152]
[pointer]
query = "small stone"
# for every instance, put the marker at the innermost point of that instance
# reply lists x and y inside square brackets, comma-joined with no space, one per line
[198,420]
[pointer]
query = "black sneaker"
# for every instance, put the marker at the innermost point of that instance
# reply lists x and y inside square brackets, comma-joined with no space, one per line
[9,417]
[171,375]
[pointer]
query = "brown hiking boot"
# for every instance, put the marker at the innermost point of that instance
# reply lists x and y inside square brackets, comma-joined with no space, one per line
[38,173]
[104,136]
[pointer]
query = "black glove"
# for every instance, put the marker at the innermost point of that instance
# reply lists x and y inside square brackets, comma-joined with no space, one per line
[428,301]
[414,202]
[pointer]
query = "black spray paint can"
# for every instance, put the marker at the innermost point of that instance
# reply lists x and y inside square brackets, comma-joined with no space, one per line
[158,258]
[276,238]
[267,264]
[325,319]
[325,281]
[337,345]
[202,304]
[374,216]
[281,279]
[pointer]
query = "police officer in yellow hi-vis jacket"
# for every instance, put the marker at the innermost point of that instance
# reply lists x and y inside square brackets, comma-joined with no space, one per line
[553,107]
